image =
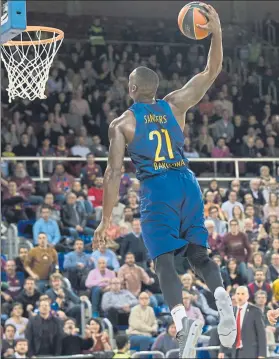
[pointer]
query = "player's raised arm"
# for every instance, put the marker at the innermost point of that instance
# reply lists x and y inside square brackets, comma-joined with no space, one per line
[112,177]
[190,94]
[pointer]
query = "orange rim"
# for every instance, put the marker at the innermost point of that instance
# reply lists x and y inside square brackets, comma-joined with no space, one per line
[59,36]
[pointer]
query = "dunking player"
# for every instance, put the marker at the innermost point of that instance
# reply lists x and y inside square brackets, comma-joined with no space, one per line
[171,206]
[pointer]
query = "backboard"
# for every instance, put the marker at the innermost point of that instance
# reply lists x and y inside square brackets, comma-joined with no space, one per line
[13,19]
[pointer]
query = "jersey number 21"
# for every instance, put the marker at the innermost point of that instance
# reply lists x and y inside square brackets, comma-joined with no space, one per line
[166,136]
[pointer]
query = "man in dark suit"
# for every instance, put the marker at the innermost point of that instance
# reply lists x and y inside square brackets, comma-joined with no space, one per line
[74,217]
[251,338]
[256,192]
[133,242]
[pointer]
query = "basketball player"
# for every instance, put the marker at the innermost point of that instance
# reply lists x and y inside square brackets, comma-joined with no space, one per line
[172,212]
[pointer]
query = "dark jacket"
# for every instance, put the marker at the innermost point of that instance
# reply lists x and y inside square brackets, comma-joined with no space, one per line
[133,244]
[34,335]
[25,300]
[70,298]
[68,216]
[74,345]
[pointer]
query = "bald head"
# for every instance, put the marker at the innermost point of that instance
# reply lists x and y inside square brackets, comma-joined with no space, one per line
[143,84]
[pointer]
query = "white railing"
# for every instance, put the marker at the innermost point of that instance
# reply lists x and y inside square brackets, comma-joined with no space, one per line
[215,161]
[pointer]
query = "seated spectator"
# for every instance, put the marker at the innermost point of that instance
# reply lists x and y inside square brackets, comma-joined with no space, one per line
[14,281]
[8,343]
[214,240]
[80,149]
[260,302]
[95,331]
[13,204]
[252,233]
[98,281]
[123,346]
[25,185]
[142,324]
[256,192]
[74,217]
[272,207]
[77,265]
[257,263]
[48,226]
[91,171]
[54,208]
[231,277]
[109,255]
[72,343]
[21,348]
[274,230]
[133,203]
[97,148]
[95,196]
[191,311]
[238,215]
[220,150]
[209,202]
[18,320]
[19,261]
[40,262]
[250,213]
[60,183]
[228,206]
[47,151]
[117,212]
[235,244]
[259,283]
[44,332]
[273,250]
[274,267]
[133,243]
[220,225]
[117,304]
[61,149]
[125,183]
[25,148]
[28,297]
[132,276]
[67,301]
[166,341]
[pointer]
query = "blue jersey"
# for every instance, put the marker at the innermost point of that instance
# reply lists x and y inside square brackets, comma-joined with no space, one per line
[157,146]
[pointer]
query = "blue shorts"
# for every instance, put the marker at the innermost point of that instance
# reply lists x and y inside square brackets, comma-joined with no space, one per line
[172,212]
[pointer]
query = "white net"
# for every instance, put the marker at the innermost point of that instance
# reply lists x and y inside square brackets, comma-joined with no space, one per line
[28,61]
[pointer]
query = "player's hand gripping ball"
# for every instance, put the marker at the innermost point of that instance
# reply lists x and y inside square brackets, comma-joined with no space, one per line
[197,20]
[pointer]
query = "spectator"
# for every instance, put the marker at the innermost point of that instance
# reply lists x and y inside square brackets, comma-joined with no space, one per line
[220,150]
[28,297]
[257,263]
[80,149]
[21,348]
[8,343]
[259,283]
[256,192]
[214,240]
[61,150]
[273,250]
[91,171]
[142,324]
[60,183]
[224,128]
[14,281]
[47,151]
[220,225]
[235,244]
[117,304]
[40,262]
[209,202]
[133,243]
[54,208]
[238,215]
[274,267]
[231,278]
[67,301]
[118,212]
[250,213]
[132,276]
[166,341]
[72,343]
[44,332]
[125,183]
[97,148]
[95,193]
[74,217]
[98,281]
[13,204]
[123,346]
[24,149]
[109,255]
[251,233]
[260,302]
[99,336]
[78,105]
[48,226]
[18,321]
[272,207]
[77,265]
[228,206]
[19,261]
[191,311]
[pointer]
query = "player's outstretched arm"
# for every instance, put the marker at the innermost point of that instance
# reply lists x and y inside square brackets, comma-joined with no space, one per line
[190,94]
[112,177]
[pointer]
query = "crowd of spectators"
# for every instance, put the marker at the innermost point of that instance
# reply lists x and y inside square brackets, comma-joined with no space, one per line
[86,90]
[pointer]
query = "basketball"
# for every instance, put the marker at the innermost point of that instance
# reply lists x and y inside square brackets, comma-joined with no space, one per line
[188,19]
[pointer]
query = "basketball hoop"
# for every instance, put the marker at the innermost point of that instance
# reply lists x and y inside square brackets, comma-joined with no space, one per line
[28,59]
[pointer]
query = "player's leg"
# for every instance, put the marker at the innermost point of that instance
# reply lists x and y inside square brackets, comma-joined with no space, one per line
[188,331]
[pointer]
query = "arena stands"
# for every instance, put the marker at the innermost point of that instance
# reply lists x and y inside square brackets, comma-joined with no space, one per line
[52,207]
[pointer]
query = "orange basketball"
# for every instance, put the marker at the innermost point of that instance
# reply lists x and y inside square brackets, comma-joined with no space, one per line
[188,18]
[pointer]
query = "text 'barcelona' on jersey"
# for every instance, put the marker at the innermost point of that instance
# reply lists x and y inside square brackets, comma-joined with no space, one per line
[157,146]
